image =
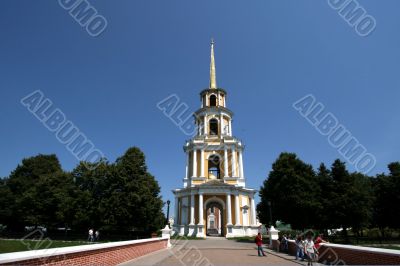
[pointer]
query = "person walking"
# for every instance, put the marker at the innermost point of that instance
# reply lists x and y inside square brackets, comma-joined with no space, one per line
[91,236]
[309,249]
[97,235]
[259,243]
[285,243]
[300,248]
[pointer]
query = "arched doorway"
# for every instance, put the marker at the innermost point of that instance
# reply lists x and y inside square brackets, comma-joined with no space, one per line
[214,171]
[215,219]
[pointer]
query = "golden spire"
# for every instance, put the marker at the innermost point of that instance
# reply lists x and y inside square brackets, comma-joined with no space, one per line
[213,77]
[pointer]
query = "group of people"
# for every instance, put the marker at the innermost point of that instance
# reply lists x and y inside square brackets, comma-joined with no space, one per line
[306,247]
[93,236]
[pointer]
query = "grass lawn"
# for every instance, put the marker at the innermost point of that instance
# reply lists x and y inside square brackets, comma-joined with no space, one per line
[7,245]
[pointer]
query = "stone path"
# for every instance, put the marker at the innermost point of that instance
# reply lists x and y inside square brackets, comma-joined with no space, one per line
[213,251]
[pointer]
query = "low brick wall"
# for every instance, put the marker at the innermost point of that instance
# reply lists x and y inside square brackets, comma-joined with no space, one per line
[351,255]
[354,255]
[98,254]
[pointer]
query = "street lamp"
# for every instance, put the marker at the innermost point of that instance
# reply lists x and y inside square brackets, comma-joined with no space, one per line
[168,203]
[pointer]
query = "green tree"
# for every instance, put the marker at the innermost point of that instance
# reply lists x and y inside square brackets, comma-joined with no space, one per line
[7,200]
[31,186]
[352,199]
[139,192]
[386,191]
[394,174]
[291,188]
[323,219]
[119,196]
[92,182]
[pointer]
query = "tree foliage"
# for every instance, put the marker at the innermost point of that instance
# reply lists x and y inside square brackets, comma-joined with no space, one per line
[387,204]
[290,189]
[108,196]
[330,198]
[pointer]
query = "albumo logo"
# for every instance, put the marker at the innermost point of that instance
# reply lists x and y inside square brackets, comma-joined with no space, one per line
[86,15]
[355,15]
[339,137]
[65,131]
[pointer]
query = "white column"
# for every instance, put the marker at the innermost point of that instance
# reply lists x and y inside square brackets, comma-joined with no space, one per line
[187,165]
[226,169]
[234,172]
[219,221]
[229,209]
[253,211]
[192,210]
[230,127]
[222,124]
[202,163]
[237,210]
[198,124]
[241,173]
[201,211]
[194,163]
[205,125]
[176,218]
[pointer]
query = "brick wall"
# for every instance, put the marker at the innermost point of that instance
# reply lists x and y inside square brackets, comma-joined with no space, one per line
[102,256]
[351,255]
[340,254]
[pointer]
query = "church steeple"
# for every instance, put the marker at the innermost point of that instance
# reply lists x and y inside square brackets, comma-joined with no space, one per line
[213,77]
[214,177]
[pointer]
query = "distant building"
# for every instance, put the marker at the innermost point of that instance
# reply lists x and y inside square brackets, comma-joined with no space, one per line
[214,199]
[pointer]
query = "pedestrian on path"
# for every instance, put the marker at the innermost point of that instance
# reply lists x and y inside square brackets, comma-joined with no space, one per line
[97,236]
[310,250]
[259,243]
[300,248]
[91,236]
[285,244]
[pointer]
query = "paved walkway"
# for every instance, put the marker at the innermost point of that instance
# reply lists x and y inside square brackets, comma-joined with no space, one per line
[212,252]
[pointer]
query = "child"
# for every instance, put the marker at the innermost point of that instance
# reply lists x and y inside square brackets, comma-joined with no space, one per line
[309,249]
[259,243]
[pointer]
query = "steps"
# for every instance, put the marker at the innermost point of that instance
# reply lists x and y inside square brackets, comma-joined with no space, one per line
[213,232]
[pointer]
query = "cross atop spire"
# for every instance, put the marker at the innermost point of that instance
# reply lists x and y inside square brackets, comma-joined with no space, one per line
[213,77]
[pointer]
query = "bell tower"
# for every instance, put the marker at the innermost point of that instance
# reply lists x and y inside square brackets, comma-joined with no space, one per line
[214,170]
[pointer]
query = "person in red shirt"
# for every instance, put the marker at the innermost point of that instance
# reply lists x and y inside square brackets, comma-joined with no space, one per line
[319,241]
[259,243]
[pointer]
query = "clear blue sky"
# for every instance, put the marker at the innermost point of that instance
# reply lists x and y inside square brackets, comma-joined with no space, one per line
[268,55]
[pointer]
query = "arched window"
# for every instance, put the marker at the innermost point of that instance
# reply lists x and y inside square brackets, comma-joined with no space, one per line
[213,100]
[214,127]
[214,167]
